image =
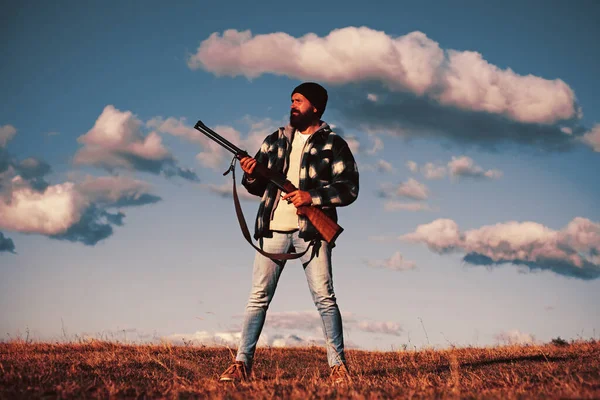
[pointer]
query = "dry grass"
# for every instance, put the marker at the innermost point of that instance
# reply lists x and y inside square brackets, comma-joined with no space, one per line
[111,370]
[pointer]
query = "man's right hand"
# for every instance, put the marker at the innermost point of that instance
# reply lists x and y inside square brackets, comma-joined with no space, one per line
[248,164]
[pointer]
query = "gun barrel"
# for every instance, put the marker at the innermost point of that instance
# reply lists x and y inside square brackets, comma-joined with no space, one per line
[218,138]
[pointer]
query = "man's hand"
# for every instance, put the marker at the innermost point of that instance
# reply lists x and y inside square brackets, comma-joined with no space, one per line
[248,164]
[298,198]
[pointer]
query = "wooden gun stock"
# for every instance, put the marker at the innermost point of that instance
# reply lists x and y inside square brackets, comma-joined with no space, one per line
[322,223]
[327,227]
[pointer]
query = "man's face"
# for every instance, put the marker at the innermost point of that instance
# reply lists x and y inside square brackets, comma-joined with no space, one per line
[302,113]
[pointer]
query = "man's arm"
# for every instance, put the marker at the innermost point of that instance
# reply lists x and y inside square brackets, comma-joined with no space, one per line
[255,185]
[343,188]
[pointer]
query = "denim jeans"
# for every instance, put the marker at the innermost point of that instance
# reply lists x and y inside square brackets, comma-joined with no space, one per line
[317,267]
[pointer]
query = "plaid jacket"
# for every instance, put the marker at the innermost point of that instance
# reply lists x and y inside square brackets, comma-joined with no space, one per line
[327,171]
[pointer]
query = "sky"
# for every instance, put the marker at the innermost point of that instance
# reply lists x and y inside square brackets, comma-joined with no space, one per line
[475,127]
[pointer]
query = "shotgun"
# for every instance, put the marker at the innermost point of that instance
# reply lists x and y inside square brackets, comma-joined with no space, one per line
[328,228]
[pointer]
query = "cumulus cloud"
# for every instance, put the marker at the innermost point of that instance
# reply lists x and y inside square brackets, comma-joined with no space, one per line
[213,155]
[410,63]
[384,166]
[458,167]
[6,244]
[77,212]
[411,189]
[7,132]
[311,321]
[49,212]
[388,328]
[395,84]
[380,165]
[396,262]
[515,337]
[302,320]
[353,144]
[592,138]
[117,191]
[116,141]
[231,339]
[377,145]
[412,166]
[466,167]
[432,171]
[573,251]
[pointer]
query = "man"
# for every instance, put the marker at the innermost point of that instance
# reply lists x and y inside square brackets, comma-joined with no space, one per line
[320,164]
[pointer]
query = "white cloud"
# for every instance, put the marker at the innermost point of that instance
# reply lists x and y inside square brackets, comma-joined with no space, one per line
[412,62]
[118,132]
[566,130]
[515,337]
[372,97]
[311,321]
[377,145]
[51,212]
[572,251]
[116,190]
[440,235]
[177,127]
[387,328]
[7,132]
[232,339]
[412,166]
[353,144]
[384,166]
[116,141]
[592,138]
[57,208]
[380,166]
[396,262]
[458,167]
[471,83]
[432,171]
[403,206]
[303,320]
[412,189]
[213,155]
[465,167]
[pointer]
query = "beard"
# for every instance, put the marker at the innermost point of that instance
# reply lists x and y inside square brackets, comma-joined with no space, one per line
[301,121]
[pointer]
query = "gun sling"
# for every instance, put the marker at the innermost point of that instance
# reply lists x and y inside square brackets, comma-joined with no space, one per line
[246,232]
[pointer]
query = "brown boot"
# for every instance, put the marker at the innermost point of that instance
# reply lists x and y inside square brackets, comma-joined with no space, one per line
[236,372]
[340,374]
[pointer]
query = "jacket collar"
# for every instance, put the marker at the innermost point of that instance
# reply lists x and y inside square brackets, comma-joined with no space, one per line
[288,131]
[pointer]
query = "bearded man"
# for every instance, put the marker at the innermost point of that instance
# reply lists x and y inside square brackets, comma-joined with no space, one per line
[320,164]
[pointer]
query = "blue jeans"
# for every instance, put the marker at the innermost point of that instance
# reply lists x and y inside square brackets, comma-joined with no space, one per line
[317,267]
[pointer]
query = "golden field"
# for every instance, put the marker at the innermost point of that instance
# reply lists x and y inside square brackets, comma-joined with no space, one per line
[99,369]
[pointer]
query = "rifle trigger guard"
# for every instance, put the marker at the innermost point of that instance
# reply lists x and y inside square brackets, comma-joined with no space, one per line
[231,167]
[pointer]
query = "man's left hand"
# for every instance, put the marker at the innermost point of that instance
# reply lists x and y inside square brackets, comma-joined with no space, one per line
[298,198]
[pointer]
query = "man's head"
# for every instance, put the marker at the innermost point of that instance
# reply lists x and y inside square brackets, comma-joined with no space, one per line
[308,104]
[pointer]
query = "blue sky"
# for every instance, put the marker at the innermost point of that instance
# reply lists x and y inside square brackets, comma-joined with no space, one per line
[474,125]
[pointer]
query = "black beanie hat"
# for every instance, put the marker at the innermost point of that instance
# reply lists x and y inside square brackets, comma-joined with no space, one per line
[315,93]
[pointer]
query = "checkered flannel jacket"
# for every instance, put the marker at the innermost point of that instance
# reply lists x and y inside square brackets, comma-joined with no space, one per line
[328,172]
